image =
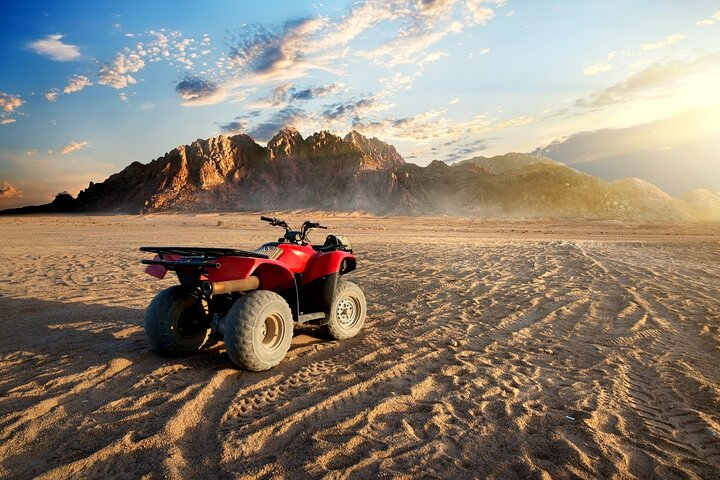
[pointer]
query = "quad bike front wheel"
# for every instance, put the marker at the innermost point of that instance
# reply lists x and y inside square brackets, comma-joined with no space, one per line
[176,322]
[347,312]
[258,330]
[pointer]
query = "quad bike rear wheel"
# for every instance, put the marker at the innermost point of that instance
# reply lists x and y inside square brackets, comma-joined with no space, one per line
[258,330]
[347,312]
[176,322]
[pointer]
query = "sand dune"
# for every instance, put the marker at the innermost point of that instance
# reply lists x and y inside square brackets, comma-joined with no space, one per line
[492,349]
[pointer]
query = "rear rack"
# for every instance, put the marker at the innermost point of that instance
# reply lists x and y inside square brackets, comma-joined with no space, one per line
[204,252]
[192,262]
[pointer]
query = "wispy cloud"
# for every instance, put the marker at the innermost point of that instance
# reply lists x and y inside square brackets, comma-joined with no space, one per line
[74,146]
[597,68]
[669,40]
[9,190]
[712,20]
[7,121]
[655,78]
[409,48]
[53,47]
[262,55]
[515,122]
[424,127]
[76,83]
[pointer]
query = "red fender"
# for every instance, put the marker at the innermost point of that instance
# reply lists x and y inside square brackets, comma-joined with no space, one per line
[327,263]
[273,275]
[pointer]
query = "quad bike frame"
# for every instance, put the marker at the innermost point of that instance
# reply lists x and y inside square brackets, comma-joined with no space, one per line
[307,278]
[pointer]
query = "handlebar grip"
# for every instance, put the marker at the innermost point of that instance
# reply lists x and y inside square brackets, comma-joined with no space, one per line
[320,226]
[267,219]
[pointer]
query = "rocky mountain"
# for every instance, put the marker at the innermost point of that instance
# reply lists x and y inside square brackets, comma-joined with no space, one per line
[324,171]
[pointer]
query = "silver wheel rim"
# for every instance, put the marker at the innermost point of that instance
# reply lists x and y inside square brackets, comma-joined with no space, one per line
[272,332]
[348,312]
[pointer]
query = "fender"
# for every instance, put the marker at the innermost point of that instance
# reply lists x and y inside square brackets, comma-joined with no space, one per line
[273,275]
[328,263]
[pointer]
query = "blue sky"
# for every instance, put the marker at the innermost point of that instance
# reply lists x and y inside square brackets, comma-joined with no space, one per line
[615,88]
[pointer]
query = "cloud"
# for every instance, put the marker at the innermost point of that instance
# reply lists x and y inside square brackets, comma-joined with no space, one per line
[714,18]
[287,93]
[9,103]
[9,191]
[463,150]
[515,122]
[157,46]
[351,110]
[410,47]
[397,82]
[597,68]
[669,40]
[656,78]
[74,146]
[316,92]
[117,75]
[424,127]
[195,90]
[236,126]
[286,117]
[7,121]
[261,55]
[478,13]
[76,83]
[52,94]
[264,51]
[52,47]
[363,17]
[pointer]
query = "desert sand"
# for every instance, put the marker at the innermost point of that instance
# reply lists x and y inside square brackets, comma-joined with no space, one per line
[500,349]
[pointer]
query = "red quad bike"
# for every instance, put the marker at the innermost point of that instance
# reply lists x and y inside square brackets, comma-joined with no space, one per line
[251,300]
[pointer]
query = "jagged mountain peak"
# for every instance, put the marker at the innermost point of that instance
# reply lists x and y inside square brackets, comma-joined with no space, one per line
[286,142]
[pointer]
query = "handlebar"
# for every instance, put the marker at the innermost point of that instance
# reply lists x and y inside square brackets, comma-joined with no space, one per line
[309,224]
[275,222]
[289,233]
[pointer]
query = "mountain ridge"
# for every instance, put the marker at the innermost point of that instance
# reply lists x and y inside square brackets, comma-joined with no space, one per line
[350,173]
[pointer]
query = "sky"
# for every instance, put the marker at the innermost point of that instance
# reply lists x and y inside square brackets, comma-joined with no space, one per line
[615,88]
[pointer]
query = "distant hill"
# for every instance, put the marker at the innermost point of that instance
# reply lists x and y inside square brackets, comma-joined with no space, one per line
[324,171]
[507,162]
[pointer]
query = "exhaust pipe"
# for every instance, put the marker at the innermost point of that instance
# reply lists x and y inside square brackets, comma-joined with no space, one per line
[243,285]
